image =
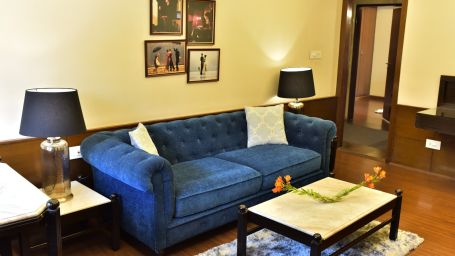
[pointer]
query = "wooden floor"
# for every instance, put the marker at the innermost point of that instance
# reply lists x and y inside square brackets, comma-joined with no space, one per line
[428,210]
[364,115]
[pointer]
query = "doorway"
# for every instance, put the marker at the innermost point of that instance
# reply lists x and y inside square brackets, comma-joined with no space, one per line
[369,85]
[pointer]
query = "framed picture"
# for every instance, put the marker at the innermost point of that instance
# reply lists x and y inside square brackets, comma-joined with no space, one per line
[200,22]
[164,57]
[203,65]
[166,17]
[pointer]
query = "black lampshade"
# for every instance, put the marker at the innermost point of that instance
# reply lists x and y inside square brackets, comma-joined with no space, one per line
[51,112]
[296,83]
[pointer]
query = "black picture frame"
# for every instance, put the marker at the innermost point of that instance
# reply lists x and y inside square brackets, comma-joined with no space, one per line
[157,53]
[203,65]
[166,17]
[200,22]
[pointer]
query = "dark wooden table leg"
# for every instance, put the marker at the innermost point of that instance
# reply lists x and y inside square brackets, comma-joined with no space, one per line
[316,245]
[242,230]
[396,211]
[24,243]
[115,222]
[53,228]
[5,246]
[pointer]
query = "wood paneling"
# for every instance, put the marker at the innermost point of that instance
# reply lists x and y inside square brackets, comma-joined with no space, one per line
[411,152]
[324,108]
[443,161]
[24,155]
[409,149]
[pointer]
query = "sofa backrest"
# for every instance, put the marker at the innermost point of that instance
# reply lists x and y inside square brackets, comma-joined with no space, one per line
[194,138]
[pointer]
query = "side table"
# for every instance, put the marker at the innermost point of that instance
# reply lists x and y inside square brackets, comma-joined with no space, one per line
[23,207]
[85,205]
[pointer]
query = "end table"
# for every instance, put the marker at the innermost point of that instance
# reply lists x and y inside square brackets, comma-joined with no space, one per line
[23,208]
[86,204]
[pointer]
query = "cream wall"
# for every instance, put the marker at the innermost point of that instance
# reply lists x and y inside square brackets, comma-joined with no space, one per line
[428,51]
[381,50]
[97,47]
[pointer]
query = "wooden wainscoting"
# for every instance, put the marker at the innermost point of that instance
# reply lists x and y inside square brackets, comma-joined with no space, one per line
[24,155]
[408,146]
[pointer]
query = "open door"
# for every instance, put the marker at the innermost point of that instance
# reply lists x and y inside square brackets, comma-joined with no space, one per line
[362,59]
[391,63]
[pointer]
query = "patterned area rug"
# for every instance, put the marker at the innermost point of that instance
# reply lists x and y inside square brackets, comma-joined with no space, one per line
[266,242]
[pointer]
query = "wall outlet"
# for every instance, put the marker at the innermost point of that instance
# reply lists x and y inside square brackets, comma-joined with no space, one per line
[75,152]
[315,55]
[433,144]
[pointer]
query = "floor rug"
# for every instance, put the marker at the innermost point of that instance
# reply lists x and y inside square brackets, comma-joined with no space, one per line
[266,242]
[360,135]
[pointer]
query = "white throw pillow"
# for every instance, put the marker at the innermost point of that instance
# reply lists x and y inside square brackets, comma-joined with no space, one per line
[265,125]
[140,138]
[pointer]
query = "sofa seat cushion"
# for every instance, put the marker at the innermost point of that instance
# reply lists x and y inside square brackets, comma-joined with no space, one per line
[209,182]
[273,160]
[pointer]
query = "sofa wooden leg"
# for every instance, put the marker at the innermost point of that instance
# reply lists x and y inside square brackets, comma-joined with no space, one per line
[158,253]
[333,153]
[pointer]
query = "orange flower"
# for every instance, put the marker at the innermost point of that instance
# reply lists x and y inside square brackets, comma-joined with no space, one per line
[370,185]
[368,177]
[276,190]
[377,169]
[287,178]
[279,185]
[279,181]
[382,174]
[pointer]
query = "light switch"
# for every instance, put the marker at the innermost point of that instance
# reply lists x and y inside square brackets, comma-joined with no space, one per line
[75,152]
[315,55]
[433,144]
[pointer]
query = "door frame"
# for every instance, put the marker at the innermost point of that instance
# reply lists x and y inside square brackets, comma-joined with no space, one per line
[345,57]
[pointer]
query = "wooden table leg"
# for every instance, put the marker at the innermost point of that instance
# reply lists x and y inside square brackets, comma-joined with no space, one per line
[24,244]
[5,246]
[53,228]
[242,230]
[315,245]
[396,211]
[115,222]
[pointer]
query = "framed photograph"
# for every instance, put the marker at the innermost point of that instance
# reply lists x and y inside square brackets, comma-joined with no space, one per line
[203,65]
[164,57]
[200,20]
[166,17]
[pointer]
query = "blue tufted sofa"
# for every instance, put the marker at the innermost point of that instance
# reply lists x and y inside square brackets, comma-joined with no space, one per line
[203,173]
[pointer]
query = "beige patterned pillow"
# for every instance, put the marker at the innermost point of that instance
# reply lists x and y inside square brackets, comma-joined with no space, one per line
[265,125]
[140,138]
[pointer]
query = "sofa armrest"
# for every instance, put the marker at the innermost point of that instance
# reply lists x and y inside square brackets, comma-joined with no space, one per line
[132,166]
[311,133]
[143,181]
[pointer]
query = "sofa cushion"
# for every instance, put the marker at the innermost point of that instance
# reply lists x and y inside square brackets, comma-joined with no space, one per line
[209,182]
[273,160]
[265,125]
[140,138]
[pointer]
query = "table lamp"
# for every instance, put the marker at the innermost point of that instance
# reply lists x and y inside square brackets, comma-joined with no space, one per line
[52,113]
[296,83]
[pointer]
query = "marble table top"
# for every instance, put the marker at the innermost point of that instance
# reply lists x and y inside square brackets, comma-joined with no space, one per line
[83,198]
[19,199]
[310,216]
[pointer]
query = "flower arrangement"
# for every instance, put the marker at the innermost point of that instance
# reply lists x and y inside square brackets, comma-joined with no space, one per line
[369,181]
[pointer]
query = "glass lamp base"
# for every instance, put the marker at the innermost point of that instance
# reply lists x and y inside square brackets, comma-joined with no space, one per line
[56,172]
[296,105]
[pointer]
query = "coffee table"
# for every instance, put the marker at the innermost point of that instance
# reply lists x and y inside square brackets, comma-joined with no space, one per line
[320,225]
